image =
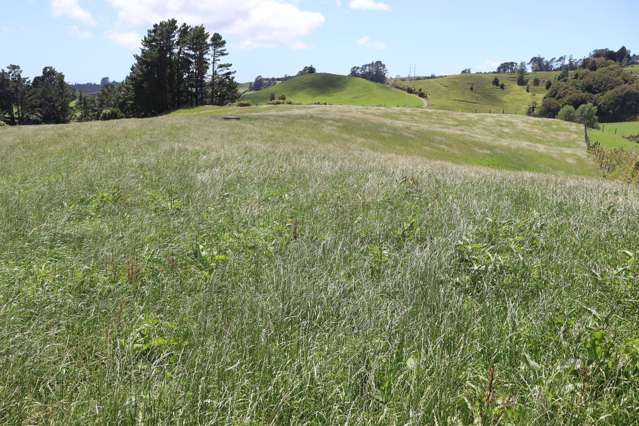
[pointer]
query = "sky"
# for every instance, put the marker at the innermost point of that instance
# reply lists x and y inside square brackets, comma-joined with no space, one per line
[91,39]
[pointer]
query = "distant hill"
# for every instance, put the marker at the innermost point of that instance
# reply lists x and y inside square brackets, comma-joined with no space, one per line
[334,90]
[88,89]
[476,92]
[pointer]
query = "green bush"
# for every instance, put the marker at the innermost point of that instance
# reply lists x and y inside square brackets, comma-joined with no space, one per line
[111,114]
[2,124]
[587,114]
[568,113]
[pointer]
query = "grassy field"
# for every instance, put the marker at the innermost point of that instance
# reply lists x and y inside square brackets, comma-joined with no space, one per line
[335,90]
[634,69]
[297,267]
[454,93]
[613,135]
[496,141]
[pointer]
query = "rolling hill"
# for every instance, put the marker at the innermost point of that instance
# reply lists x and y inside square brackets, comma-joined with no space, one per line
[476,93]
[334,90]
[505,142]
[314,265]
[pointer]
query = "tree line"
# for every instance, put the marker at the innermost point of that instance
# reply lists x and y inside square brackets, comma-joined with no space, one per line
[623,57]
[178,66]
[600,82]
[261,83]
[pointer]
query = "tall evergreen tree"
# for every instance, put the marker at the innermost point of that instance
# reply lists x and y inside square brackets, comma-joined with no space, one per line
[223,85]
[50,96]
[183,68]
[153,76]
[198,55]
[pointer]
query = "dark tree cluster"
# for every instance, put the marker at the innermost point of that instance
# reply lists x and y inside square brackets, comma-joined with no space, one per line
[497,83]
[603,83]
[46,99]
[172,71]
[507,68]
[261,83]
[178,66]
[375,72]
[412,91]
[623,57]
[307,70]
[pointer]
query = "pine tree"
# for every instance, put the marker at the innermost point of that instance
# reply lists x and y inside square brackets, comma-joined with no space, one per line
[153,78]
[197,52]
[223,85]
[183,68]
[50,96]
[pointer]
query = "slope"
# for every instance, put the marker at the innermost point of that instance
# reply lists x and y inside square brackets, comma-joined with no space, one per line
[476,92]
[334,90]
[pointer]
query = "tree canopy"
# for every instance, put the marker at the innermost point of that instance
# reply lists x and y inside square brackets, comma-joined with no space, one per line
[375,72]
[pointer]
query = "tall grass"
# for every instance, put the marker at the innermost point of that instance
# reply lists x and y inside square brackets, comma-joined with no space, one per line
[188,270]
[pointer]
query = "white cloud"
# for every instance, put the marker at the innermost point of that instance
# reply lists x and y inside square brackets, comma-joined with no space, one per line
[72,9]
[369,5]
[255,23]
[130,39]
[78,32]
[371,44]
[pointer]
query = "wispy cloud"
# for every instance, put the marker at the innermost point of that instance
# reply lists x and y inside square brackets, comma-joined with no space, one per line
[128,39]
[254,23]
[71,9]
[77,32]
[368,42]
[370,5]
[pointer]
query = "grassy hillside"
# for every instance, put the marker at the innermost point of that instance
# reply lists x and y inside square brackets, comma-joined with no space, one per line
[299,267]
[454,93]
[335,90]
[497,141]
[613,135]
[634,69]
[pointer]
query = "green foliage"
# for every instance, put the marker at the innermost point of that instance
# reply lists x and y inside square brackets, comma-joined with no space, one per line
[50,96]
[111,114]
[375,72]
[587,114]
[602,83]
[567,113]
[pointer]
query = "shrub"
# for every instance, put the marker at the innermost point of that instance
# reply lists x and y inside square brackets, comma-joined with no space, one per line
[282,97]
[2,124]
[536,82]
[550,108]
[587,114]
[567,113]
[244,104]
[271,97]
[111,114]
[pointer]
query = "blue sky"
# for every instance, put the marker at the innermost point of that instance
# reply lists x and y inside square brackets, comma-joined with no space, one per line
[90,39]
